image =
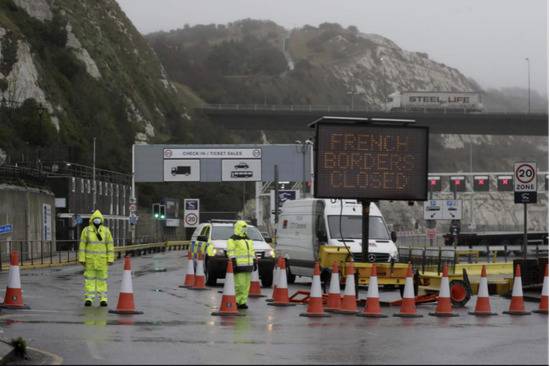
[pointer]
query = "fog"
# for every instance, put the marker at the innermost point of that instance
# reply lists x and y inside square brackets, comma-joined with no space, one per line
[486,40]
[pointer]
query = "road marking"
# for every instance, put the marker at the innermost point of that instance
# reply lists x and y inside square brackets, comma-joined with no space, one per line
[55,359]
[92,347]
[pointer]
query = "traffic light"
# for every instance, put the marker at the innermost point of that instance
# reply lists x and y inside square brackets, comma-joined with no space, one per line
[458,183]
[162,212]
[156,210]
[505,183]
[434,184]
[481,183]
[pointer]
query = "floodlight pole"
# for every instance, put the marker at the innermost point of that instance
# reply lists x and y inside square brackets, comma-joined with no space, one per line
[133,192]
[365,230]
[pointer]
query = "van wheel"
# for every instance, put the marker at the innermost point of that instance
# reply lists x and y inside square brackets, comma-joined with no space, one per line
[289,276]
[210,276]
[325,280]
[267,279]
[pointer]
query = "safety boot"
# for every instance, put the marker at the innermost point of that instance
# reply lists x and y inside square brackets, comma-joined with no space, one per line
[88,303]
[103,302]
[242,306]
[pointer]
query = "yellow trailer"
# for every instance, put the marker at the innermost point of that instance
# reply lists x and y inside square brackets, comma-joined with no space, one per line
[463,277]
[388,273]
[500,277]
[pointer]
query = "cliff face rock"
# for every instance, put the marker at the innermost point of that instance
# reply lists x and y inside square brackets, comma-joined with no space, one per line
[259,62]
[375,67]
[89,68]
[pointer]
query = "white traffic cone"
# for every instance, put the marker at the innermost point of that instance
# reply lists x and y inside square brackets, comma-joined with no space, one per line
[228,305]
[281,292]
[13,298]
[126,297]
[483,305]
[275,278]
[255,286]
[372,305]
[408,302]
[315,302]
[516,305]
[444,306]
[200,282]
[190,273]
[349,302]
[334,300]
[543,305]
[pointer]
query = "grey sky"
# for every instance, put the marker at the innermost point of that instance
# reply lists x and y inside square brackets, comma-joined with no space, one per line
[487,40]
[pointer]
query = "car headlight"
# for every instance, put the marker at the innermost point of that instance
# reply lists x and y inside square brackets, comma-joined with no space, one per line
[395,255]
[219,252]
[269,253]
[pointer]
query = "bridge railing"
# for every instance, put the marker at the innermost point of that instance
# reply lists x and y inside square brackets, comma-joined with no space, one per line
[349,108]
[290,107]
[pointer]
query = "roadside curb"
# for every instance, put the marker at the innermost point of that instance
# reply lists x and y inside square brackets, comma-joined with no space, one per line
[34,357]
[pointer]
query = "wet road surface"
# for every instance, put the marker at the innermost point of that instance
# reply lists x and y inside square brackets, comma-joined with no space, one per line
[177,327]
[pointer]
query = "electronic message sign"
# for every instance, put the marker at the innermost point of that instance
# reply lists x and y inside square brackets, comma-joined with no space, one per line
[365,161]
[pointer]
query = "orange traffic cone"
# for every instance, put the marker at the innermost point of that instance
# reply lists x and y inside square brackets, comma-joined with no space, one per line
[280,298]
[349,302]
[315,302]
[543,305]
[444,307]
[516,305]
[126,298]
[372,306]
[408,306]
[190,274]
[199,283]
[14,295]
[275,278]
[255,287]
[483,306]
[228,306]
[334,301]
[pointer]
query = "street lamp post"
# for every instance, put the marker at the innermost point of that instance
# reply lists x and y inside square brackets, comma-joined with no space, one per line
[94,197]
[352,94]
[528,85]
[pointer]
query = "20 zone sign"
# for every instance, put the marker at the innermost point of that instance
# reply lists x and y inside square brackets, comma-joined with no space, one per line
[525,177]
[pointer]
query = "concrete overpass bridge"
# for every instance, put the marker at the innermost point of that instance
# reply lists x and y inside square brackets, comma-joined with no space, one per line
[297,117]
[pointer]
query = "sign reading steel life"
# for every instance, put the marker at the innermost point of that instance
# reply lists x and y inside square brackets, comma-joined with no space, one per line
[371,162]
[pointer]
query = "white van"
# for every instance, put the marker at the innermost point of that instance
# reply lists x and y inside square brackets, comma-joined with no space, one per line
[305,224]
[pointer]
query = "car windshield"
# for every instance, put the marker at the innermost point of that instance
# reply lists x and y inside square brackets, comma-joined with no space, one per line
[352,227]
[225,232]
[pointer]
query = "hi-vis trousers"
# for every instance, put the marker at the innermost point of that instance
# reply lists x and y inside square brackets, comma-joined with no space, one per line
[242,286]
[95,282]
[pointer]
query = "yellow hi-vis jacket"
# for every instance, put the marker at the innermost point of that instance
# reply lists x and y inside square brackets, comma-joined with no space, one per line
[96,248]
[240,249]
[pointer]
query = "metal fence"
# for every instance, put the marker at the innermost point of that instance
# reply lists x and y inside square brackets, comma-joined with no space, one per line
[428,259]
[432,259]
[406,238]
[34,252]
[355,107]
[39,251]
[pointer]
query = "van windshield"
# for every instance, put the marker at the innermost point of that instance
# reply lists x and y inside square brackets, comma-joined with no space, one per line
[225,232]
[352,227]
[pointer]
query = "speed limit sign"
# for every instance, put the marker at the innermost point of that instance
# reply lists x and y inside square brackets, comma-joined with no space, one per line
[191,220]
[191,212]
[525,182]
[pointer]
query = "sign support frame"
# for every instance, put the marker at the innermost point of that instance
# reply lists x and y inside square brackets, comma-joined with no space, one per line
[365,229]
[532,197]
